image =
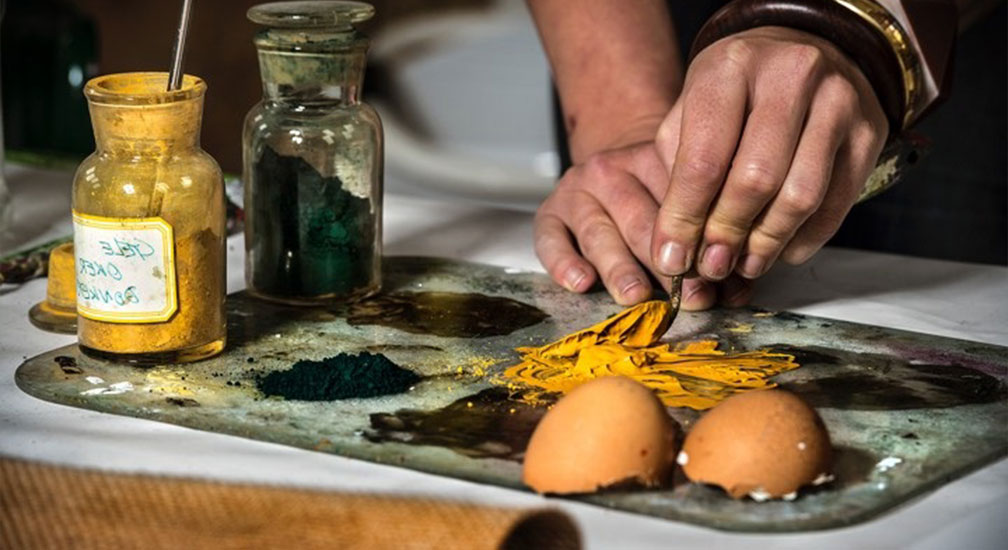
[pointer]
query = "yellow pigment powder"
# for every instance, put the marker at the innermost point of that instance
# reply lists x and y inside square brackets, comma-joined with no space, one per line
[690,374]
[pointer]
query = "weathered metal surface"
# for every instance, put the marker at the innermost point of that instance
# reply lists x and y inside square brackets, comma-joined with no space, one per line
[938,405]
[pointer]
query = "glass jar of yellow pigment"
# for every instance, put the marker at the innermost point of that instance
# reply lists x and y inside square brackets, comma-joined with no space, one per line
[312,154]
[148,213]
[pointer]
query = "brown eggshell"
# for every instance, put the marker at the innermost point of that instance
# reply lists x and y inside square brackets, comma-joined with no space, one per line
[606,431]
[765,444]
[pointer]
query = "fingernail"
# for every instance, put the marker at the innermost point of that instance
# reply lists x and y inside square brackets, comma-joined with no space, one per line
[573,278]
[672,258]
[716,261]
[627,284]
[752,266]
[691,292]
[694,296]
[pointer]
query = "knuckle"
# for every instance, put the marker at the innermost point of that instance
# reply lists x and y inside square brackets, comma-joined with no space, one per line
[770,236]
[569,182]
[701,168]
[546,240]
[665,139]
[737,52]
[677,218]
[869,132]
[564,183]
[594,231]
[600,167]
[721,229]
[639,230]
[807,58]
[841,92]
[559,266]
[800,201]
[618,270]
[795,255]
[544,219]
[757,180]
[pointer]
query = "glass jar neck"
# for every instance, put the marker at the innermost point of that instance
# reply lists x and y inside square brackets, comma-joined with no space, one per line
[312,68]
[148,130]
[131,113]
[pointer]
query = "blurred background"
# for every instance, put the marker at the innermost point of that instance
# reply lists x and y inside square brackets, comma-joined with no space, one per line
[462,85]
[464,93]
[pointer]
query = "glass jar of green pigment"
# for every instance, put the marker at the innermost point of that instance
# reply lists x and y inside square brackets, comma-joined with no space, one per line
[312,158]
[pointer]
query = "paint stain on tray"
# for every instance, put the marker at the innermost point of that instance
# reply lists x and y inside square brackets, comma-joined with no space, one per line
[485,425]
[448,314]
[873,382]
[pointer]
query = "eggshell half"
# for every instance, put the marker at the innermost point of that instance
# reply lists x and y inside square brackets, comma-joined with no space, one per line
[765,444]
[604,432]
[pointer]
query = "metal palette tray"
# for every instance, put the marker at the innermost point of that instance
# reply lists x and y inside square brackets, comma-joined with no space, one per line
[907,412]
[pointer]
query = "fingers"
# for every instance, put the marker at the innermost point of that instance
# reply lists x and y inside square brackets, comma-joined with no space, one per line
[602,244]
[759,167]
[807,180]
[697,294]
[854,163]
[627,199]
[556,252]
[713,109]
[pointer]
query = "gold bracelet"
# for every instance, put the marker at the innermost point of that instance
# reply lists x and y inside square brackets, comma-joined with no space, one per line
[879,18]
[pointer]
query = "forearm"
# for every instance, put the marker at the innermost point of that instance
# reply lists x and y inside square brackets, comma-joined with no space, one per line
[616,66]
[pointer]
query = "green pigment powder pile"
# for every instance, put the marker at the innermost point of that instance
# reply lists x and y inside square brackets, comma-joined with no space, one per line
[341,377]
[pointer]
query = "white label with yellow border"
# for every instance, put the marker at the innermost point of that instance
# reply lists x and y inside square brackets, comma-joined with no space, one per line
[125,269]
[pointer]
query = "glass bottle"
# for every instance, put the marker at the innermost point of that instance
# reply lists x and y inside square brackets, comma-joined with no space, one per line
[312,158]
[148,209]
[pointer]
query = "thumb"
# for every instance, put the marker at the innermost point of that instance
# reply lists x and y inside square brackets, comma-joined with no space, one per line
[667,139]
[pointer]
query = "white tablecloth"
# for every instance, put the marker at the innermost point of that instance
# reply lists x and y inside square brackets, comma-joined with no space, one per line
[945,298]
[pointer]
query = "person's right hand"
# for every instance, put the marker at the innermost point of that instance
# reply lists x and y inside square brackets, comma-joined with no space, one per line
[767,149]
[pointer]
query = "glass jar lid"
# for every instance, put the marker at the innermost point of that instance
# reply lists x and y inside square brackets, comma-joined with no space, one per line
[331,14]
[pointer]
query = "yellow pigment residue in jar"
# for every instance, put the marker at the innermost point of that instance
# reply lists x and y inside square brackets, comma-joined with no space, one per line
[690,374]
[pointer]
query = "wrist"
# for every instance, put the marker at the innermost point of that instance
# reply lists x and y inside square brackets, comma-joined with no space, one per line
[609,133]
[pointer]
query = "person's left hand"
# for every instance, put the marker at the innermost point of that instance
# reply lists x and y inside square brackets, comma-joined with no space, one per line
[767,148]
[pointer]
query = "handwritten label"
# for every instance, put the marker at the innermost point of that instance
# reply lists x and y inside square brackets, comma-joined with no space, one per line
[125,269]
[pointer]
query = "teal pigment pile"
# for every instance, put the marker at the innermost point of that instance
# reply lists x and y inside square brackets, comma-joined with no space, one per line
[340,377]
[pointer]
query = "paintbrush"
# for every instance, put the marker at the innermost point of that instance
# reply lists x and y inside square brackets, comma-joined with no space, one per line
[675,296]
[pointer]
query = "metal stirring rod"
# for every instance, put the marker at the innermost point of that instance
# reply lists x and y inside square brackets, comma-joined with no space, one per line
[175,75]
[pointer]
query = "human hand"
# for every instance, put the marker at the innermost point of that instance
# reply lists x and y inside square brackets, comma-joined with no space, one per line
[767,148]
[598,222]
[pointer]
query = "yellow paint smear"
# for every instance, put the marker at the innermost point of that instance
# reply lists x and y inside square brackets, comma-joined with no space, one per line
[690,374]
[741,328]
